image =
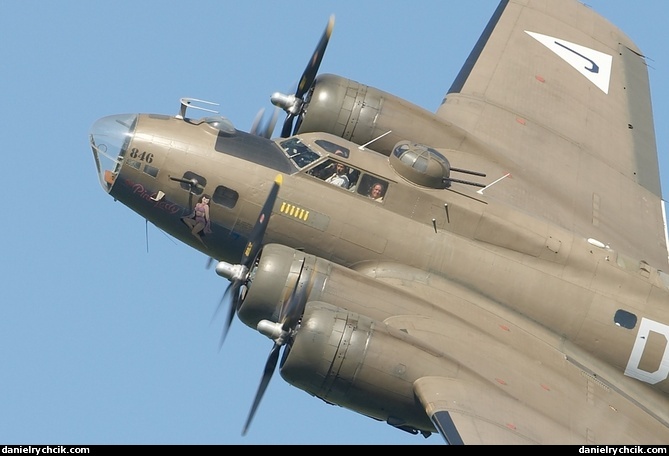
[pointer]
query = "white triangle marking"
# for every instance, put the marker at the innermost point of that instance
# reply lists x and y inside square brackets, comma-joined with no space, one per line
[594,65]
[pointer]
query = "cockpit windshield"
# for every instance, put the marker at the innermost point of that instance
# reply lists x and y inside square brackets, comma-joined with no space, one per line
[333,148]
[109,138]
[298,152]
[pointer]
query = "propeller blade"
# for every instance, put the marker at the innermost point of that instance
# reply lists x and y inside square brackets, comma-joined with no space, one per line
[256,121]
[232,307]
[266,377]
[269,130]
[311,70]
[280,333]
[292,310]
[258,231]
[287,129]
[292,104]
[260,128]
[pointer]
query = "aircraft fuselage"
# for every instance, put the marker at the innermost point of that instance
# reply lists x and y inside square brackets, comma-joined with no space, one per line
[475,247]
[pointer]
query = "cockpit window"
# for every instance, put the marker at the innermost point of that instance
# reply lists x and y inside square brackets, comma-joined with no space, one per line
[337,173]
[372,187]
[350,178]
[333,148]
[298,152]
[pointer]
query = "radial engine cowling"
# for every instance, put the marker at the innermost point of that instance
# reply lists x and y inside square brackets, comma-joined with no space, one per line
[279,270]
[342,351]
[363,365]
[361,113]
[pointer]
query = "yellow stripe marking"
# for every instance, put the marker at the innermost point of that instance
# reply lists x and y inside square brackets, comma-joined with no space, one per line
[294,211]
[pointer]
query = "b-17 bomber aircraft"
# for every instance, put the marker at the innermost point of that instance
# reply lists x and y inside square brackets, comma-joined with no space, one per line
[493,272]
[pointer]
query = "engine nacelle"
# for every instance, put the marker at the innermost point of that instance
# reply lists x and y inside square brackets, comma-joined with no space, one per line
[279,269]
[273,279]
[361,364]
[361,113]
[342,351]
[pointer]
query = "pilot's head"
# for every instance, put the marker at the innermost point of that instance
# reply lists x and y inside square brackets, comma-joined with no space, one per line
[341,168]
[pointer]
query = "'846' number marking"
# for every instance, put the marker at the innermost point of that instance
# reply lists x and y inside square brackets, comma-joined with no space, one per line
[141,156]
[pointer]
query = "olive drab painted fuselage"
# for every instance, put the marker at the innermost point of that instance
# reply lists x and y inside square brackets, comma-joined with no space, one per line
[417,267]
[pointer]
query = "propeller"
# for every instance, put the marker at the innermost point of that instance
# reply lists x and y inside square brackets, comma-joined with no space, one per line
[238,274]
[256,121]
[265,130]
[294,103]
[280,332]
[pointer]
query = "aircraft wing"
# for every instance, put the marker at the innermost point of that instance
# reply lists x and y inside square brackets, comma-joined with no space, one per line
[560,99]
[517,382]
[477,414]
[518,385]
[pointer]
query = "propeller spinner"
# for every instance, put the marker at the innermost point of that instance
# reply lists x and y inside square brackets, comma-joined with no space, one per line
[294,103]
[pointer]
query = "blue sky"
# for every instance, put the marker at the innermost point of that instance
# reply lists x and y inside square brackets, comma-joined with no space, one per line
[106,332]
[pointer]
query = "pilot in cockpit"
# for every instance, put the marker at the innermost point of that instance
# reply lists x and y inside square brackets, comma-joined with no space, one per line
[340,176]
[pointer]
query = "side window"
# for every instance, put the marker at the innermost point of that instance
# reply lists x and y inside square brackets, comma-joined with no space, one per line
[225,196]
[372,187]
[151,170]
[625,319]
